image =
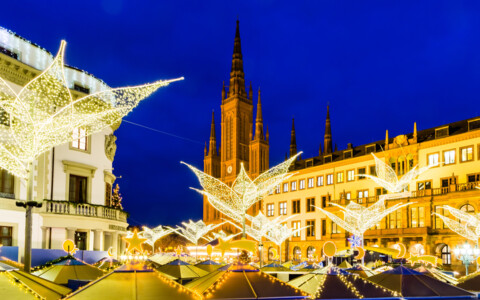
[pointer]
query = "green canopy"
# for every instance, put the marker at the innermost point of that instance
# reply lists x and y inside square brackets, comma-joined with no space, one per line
[134,284]
[45,288]
[209,265]
[181,270]
[9,289]
[274,267]
[345,265]
[69,268]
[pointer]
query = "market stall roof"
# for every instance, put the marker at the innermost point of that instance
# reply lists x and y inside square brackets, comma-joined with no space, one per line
[332,283]
[410,283]
[69,268]
[239,283]
[107,263]
[208,265]
[345,265]
[470,282]
[361,271]
[134,284]
[182,270]
[437,274]
[11,290]
[162,259]
[45,288]
[274,267]
[7,267]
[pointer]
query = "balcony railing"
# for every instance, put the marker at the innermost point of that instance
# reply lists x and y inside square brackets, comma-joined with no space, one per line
[83,209]
[461,187]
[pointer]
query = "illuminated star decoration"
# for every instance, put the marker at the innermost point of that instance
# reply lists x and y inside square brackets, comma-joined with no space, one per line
[466,225]
[44,114]
[135,242]
[387,178]
[153,235]
[355,241]
[236,200]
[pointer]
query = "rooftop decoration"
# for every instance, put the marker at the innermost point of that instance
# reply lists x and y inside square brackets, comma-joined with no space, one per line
[236,200]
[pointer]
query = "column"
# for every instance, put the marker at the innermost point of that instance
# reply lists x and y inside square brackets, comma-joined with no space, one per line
[70,233]
[44,237]
[97,239]
[114,244]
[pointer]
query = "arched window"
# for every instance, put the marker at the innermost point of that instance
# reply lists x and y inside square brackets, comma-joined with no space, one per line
[297,254]
[409,162]
[446,255]
[393,163]
[401,165]
[467,208]
[310,252]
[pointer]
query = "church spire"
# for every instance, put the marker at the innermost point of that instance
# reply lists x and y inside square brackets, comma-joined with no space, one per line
[328,134]
[237,77]
[213,137]
[259,119]
[293,140]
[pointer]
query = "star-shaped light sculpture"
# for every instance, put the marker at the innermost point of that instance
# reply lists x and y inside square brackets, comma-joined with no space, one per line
[234,201]
[135,242]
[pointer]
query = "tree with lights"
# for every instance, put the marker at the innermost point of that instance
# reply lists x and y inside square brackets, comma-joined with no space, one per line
[44,114]
[236,200]
[117,198]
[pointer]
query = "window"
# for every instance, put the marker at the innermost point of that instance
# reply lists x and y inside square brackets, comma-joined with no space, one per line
[285,187]
[270,209]
[449,157]
[320,181]
[473,178]
[467,208]
[78,87]
[369,149]
[324,201]
[361,195]
[380,191]
[283,208]
[310,204]
[335,228]
[81,240]
[441,132]
[294,186]
[295,206]
[466,154]
[438,221]
[6,182]
[432,159]
[351,175]
[296,226]
[80,139]
[347,154]
[401,165]
[310,182]
[339,177]
[277,189]
[324,227]
[78,189]
[6,235]
[311,228]
[348,195]
[108,194]
[424,185]
[446,255]
[417,217]
[302,184]
[395,219]
[361,171]
[329,179]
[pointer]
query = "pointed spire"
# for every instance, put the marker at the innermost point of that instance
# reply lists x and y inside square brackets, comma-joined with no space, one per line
[205,150]
[237,81]
[386,140]
[293,140]
[320,151]
[415,132]
[223,91]
[250,92]
[268,134]
[259,119]
[327,143]
[213,137]
[336,147]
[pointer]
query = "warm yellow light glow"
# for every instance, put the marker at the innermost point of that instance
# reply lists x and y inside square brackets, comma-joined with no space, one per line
[194,231]
[466,225]
[134,242]
[44,114]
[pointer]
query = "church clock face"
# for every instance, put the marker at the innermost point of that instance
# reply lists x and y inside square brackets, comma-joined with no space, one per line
[229,169]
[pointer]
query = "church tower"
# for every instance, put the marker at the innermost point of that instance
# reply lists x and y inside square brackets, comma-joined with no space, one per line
[238,142]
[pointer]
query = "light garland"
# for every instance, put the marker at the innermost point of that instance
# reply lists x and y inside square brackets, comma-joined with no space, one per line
[466,225]
[236,200]
[153,235]
[44,114]
[387,177]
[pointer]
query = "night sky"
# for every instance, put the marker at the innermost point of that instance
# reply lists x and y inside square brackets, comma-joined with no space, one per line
[380,64]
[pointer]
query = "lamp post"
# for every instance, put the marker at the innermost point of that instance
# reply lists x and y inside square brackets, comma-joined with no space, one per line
[260,252]
[466,254]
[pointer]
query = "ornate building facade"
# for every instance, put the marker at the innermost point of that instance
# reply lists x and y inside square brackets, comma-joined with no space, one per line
[336,176]
[73,181]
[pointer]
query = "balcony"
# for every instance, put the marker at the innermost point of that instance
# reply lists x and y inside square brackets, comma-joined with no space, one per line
[83,209]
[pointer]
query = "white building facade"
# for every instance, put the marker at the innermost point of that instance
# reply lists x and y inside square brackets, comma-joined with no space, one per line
[73,181]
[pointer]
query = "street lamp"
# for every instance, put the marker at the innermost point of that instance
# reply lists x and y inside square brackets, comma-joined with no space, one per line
[466,254]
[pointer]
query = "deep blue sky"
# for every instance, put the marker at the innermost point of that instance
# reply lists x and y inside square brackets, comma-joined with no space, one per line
[380,64]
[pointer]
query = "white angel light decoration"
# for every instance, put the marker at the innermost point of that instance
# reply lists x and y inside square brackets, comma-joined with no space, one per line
[466,225]
[280,233]
[153,235]
[387,178]
[236,200]
[194,231]
[221,235]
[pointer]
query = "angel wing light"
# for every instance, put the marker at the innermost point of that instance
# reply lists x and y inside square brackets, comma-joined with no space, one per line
[221,235]
[194,231]
[44,114]
[466,225]
[234,201]
[153,235]
[387,178]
